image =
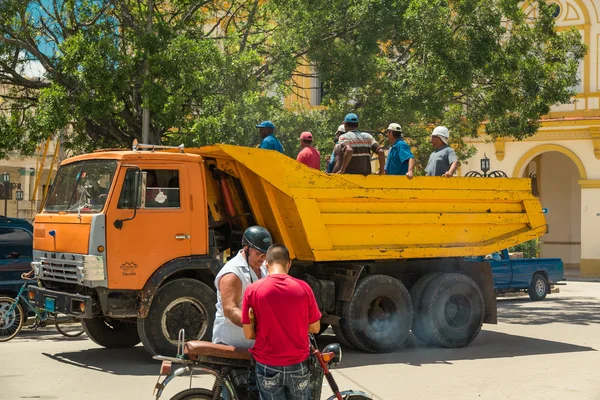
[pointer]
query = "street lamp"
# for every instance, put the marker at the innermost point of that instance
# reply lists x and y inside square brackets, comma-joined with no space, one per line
[8,186]
[484,164]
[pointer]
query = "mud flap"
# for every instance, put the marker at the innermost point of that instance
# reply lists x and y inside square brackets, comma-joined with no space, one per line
[481,273]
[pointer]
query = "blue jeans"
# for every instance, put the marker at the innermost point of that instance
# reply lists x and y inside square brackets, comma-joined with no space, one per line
[283,383]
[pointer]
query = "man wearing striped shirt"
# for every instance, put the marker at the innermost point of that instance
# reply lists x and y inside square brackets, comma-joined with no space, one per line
[353,151]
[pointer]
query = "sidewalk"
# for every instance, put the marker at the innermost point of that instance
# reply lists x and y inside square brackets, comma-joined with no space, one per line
[573,275]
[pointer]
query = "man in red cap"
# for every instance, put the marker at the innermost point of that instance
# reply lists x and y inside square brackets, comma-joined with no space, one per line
[308,156]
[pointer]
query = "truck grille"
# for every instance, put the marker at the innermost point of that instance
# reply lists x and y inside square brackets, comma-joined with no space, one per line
[59,271]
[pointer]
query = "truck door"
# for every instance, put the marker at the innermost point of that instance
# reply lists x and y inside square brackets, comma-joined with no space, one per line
[501,270]
[160,231]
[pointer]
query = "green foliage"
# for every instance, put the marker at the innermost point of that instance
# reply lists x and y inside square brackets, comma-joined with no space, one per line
[209,71]
[530,249]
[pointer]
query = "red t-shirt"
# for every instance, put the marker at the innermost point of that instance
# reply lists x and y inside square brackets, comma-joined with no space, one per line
[310,156]
[283,307]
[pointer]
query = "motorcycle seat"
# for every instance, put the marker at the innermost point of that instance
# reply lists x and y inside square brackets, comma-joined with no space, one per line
[200,348]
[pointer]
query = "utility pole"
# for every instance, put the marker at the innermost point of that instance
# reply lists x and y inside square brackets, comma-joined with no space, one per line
[146,110]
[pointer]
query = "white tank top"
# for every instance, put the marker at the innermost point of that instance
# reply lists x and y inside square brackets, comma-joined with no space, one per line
[225,331]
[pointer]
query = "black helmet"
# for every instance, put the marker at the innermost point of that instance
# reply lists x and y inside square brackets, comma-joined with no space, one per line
[258,238]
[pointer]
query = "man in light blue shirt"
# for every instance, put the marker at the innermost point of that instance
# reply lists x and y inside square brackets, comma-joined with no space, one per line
[400,159]
[268,139]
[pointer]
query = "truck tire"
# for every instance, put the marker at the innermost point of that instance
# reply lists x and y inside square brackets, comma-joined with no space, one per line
[379,315]
[111,333]
[417,293]
[453,310]
[183,303]
[538,288]
[341,329]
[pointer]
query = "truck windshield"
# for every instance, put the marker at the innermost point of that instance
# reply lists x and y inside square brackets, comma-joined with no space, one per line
[81,187]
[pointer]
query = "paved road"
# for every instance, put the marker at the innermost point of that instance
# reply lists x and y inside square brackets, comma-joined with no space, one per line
[545,350]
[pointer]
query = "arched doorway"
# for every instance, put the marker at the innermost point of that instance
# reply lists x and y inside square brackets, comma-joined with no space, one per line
[558,171]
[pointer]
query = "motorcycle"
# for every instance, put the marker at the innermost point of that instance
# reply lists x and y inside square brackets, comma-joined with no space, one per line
[231,367]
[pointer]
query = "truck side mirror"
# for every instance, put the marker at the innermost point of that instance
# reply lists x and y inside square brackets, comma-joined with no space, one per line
[139,195]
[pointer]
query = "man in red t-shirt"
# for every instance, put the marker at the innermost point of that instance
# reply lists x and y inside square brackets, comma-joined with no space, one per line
[285,311]
[308,156]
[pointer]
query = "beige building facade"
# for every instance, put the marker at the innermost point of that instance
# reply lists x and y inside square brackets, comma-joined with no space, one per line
[25,172]
[564,154]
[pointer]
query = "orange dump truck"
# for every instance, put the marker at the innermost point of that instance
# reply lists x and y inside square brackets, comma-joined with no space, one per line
[132,240]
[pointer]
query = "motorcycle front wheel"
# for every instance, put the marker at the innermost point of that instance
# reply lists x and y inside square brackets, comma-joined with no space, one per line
[352,395]
[194,394]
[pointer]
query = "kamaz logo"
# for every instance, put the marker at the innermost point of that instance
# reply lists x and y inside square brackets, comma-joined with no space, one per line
[62,257]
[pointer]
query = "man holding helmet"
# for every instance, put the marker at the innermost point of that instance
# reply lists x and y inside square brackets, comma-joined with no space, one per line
[231,282]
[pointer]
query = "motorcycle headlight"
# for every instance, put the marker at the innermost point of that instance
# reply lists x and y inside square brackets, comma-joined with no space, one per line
[336,349]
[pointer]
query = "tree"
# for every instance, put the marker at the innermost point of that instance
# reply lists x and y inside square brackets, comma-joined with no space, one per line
[216,68]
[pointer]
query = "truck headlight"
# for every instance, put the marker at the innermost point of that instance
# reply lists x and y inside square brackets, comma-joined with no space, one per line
[37,268]
[80,274]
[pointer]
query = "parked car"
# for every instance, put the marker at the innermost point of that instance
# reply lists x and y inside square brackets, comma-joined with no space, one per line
[512,273]
[16,244]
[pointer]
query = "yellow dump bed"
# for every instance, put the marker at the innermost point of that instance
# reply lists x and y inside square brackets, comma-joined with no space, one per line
[324,217]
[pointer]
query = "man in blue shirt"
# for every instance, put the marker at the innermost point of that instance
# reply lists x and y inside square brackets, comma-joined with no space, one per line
[400,160]
[268,139]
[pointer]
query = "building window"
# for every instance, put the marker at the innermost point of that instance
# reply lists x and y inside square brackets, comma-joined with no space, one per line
[557,10]
[316,92]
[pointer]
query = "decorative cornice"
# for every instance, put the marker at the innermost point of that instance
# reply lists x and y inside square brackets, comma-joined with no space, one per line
[559,135]
[589,183]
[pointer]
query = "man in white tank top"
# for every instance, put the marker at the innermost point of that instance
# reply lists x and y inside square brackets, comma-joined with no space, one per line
[231,282]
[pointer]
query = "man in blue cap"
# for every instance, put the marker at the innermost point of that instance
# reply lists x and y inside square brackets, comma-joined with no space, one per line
[268,139]
[353,151]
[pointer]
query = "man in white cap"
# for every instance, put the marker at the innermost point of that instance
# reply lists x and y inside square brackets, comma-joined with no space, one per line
[443,160]
[400,159]
[331,159]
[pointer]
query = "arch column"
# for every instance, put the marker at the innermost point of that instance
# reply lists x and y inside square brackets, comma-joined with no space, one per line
[590,234]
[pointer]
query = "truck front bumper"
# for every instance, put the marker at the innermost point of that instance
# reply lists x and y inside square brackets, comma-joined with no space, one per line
[76,305]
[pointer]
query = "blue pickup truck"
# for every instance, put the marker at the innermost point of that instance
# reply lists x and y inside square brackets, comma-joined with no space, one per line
[16,246]
[534,276]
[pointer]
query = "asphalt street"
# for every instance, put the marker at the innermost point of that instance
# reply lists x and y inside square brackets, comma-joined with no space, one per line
[539,350]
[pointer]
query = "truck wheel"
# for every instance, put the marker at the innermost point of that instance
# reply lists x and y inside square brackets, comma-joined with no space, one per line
[539,287]
[453,310]
[417,293]
[341,329]
[180,304]
[111,333]
[379,315]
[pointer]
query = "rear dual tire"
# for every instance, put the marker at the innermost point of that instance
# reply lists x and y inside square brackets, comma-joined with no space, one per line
[378,317]
[449,310]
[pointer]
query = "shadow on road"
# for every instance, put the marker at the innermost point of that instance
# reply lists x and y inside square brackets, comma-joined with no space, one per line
[44,334]
[487,345]
[133,361]
[566,310]
[136,361]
